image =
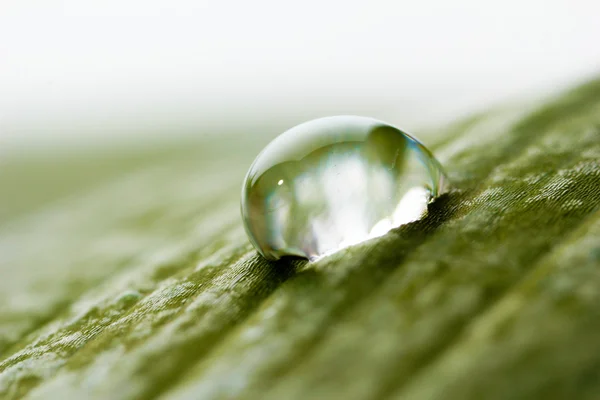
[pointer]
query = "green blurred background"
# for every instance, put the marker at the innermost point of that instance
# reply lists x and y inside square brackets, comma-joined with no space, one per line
[96,89]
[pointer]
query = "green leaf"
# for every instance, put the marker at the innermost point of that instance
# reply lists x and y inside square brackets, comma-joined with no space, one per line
[142,284]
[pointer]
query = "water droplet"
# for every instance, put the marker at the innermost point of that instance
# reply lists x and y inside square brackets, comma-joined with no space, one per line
[333,182]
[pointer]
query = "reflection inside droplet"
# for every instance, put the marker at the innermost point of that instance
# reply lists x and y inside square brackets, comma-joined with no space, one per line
[334,182]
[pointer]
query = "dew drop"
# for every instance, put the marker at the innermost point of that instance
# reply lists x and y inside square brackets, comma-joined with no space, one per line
[333,182]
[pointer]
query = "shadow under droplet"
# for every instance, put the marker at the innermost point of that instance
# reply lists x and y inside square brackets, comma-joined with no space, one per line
[397,242]
[385,252]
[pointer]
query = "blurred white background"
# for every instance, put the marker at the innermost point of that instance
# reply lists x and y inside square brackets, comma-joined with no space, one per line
[123,68]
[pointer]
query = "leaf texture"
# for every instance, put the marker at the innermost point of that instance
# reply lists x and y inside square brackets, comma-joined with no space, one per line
[144,286]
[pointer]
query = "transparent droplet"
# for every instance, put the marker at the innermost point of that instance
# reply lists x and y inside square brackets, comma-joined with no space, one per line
[333,182]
